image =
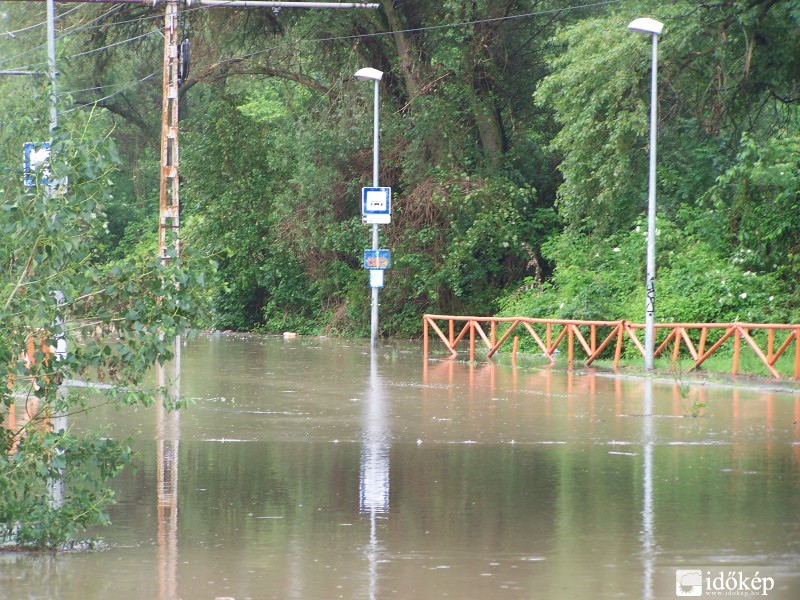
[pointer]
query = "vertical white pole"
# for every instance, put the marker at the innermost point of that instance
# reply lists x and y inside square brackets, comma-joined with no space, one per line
[51,62]
[650,314]
[375,183]
[59,422]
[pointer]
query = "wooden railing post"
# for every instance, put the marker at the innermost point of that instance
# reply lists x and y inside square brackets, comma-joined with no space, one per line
[770,344]
[676,348]
[737,344]
[701,347]
[620,340]
[797,353]
[570,345]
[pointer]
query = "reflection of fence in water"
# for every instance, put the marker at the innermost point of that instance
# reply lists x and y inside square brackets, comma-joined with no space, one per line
[775,411]
[768,342]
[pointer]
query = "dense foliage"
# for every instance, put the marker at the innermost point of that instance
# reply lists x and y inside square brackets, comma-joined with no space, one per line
[67,314]
[514,137]
[727,171]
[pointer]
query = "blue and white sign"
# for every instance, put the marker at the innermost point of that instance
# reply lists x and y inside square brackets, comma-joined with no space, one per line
[376,205]
[36,161]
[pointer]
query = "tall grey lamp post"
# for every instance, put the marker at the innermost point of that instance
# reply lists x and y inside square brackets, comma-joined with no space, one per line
[652,28]
[369,74]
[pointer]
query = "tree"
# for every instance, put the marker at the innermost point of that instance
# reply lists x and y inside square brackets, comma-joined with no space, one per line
[117,320]
[472,185]
[727,135]
[708,61]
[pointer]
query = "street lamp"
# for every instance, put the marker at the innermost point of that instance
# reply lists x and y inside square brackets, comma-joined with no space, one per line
[652,28]
[370,74]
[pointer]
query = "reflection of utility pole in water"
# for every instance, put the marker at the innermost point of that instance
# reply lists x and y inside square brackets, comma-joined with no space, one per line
[374,480]
[167,451]
[648,510]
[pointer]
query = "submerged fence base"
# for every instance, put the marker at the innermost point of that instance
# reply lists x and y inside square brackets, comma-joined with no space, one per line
[769,343]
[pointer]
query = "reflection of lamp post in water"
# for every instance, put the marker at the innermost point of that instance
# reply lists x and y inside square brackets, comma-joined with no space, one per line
[653,28]
[648,510]
[374,480]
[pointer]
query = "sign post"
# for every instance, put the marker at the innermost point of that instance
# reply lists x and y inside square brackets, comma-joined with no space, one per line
[375,201]
[376,209]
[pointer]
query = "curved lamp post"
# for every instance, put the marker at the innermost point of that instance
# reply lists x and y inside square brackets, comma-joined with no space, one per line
[652,28]
[370,74]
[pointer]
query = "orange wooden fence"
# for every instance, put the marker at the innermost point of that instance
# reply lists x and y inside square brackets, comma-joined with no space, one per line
[595,337]
[31,411]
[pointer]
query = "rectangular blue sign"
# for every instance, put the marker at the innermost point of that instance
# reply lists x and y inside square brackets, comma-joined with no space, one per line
[378,259]
[376,205]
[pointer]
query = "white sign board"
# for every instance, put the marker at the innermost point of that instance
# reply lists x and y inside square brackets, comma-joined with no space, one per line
[376,278]
[376,205]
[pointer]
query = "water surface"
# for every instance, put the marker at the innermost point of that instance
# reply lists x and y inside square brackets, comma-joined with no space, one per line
[309,469]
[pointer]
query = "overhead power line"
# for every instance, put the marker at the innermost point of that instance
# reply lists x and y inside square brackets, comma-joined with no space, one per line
[115,44]
[14,33]
[104,98]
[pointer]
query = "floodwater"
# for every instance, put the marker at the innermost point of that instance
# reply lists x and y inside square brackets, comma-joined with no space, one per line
[311,469]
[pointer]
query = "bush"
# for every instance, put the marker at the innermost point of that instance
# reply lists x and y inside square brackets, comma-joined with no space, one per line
[604,279]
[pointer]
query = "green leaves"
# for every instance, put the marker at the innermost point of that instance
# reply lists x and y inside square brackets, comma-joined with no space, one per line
[116,320]
[604,123]
[759,196]
[28,516]
[696,282]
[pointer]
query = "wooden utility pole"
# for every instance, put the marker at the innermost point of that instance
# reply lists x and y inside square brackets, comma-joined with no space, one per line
[169,201]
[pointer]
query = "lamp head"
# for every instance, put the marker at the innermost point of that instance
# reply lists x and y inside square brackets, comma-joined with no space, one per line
[369,74]
[646,25]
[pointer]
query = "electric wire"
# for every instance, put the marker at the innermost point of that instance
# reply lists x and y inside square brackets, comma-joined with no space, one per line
[104,98]
[275,47]
[416,29]
[76,29]
[115,44]
[43,23]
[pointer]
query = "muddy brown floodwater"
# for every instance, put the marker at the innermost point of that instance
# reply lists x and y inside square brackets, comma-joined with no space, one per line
[310,469]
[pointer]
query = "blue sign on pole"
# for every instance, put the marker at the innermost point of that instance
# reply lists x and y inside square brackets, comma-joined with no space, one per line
[376,205]
[36,160]
[378,259]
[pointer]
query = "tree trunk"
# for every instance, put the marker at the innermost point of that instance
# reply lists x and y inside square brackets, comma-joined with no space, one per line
[404,53]
[489,123]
